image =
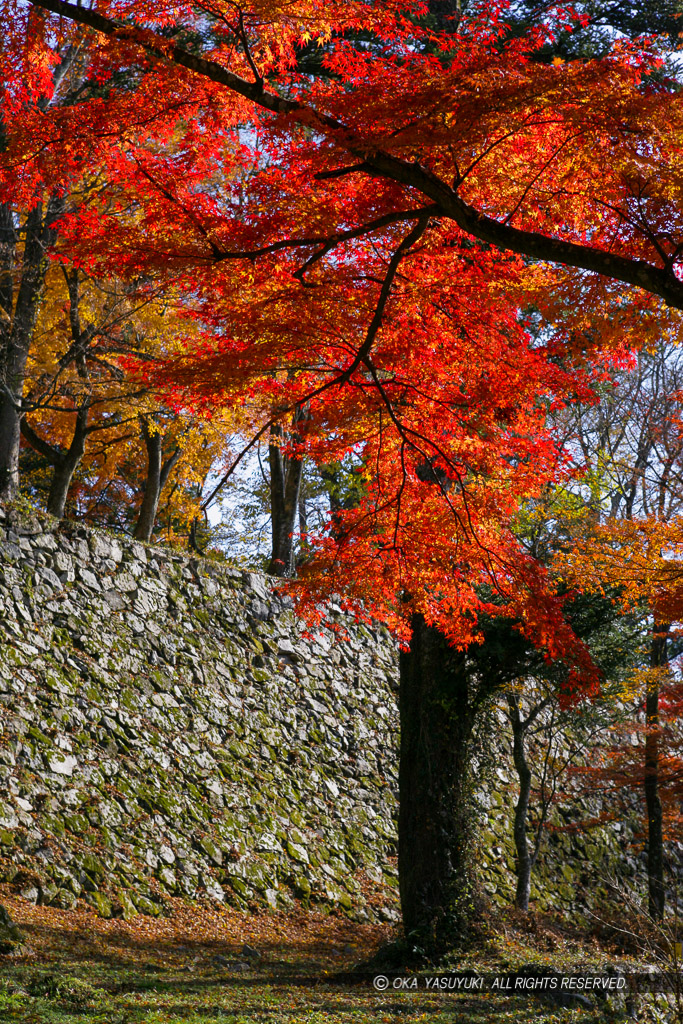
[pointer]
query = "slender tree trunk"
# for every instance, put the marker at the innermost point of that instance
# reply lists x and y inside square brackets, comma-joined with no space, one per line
[66,467]
[285,485]
[303,516]
[192,542]
[150,497]
[304,546]
[64,463]
[59,488]
[10,435]
[436,825]
[9,444]
[8,243]
[653,803]
[330,476]
[16,332]
[525,857]
[157,475]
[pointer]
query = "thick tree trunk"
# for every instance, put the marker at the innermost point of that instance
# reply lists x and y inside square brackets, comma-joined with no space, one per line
[157,475]
[285,484]
[436,825]
[653,803]
[16,329]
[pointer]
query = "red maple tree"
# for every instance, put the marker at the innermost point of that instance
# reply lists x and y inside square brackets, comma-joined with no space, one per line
[356,244]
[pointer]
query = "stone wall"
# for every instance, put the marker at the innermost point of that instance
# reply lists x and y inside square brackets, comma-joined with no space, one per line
[167,728]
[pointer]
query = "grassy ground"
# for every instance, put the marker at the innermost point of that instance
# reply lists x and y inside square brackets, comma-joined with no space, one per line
[193,968]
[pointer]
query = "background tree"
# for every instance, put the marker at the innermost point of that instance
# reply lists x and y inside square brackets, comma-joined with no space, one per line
[24,251]
[631,446]
[74,387]
[30,212]
[286,468]
[562,735]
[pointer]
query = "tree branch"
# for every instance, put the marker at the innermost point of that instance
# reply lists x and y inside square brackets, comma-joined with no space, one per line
[655,280]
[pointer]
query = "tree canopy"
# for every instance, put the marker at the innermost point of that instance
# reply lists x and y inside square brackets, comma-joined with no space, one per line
[360,244]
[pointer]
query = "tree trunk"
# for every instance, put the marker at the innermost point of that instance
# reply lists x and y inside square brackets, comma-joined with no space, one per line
[63,475]
[9,420]
[16,331]
[10,436]
[64,463]
[525,858]
[653,803]
[330,476]
[285,484]
[304,545]
[157,475]
[150,498]
[303,517]
[436,825]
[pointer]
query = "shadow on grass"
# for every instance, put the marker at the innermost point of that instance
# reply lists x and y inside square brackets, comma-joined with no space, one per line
[470,1010]
[121,949]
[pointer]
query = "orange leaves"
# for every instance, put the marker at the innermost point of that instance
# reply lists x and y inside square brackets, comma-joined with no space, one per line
[642,558]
